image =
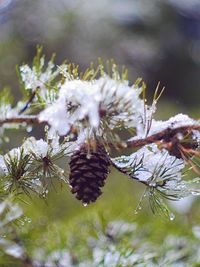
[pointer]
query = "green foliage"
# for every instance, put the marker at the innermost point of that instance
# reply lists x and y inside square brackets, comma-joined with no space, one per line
[104,236]
[6,97]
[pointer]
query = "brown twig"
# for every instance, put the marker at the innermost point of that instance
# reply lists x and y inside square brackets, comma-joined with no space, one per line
[162,135]
[21,119]
[165,134]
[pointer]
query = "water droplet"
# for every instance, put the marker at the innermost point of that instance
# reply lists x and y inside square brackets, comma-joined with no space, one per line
[152,184]
[88,156]
[29,129]
[85,204]
[136,212]
[28,220]
[171,216]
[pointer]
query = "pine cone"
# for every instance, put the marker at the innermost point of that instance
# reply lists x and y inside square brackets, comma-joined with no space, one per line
[88,172]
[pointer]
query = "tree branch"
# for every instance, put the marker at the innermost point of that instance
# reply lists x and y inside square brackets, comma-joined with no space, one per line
[162,135]
[21,119]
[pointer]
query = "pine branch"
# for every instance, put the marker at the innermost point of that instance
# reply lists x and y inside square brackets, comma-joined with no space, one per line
[165,135]
[31,119]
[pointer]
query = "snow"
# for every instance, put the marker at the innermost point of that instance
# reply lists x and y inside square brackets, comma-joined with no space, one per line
[12,249]
[13,153]
[177,121]
[40,78]
[151,164]
[38,147]
[80,103]
[33,78]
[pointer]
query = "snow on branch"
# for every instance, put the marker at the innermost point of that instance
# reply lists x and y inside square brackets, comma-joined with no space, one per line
[86,115]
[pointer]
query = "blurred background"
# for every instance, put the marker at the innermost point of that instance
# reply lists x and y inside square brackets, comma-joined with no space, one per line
[158,40]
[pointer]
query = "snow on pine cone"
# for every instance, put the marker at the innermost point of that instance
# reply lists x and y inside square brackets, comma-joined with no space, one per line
[88,172]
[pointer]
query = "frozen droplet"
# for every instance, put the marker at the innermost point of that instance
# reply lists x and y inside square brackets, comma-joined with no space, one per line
[136,212]
[85,204]
[171,216]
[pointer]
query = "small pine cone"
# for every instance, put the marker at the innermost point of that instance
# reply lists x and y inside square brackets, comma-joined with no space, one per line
[88,172]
